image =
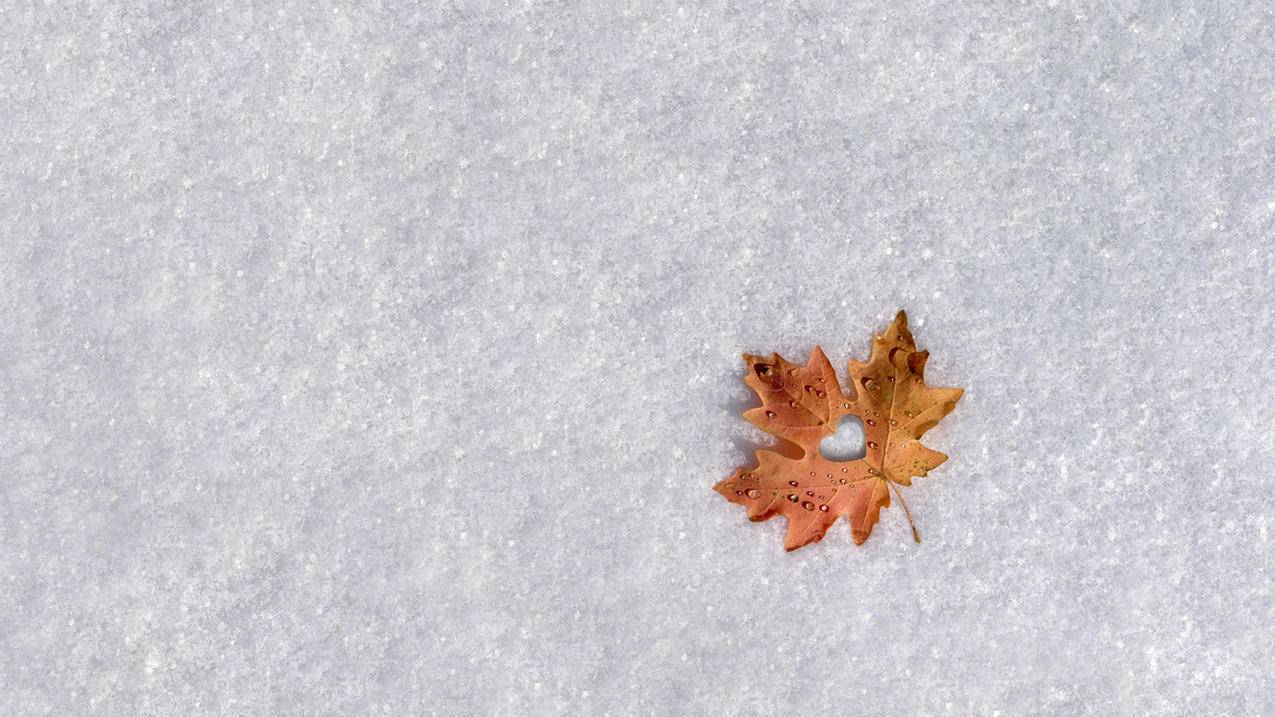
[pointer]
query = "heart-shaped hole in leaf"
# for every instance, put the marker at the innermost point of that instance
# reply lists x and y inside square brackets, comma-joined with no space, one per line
[847,444]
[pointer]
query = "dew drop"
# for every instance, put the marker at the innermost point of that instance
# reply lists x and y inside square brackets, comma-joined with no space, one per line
[810,493]
[792,483]
[821,394]
[808,505]
[771,414]
[890,379]
[793,497]
[909,414]
[845,470]
[739,492]
[846,405]
[792,404]
[870,422]
[869,384]
[844,481]
[809,388]
[873,445]
[823,508]
[893,422]
[753,493]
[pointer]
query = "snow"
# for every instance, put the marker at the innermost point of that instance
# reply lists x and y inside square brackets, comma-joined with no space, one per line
[381,359]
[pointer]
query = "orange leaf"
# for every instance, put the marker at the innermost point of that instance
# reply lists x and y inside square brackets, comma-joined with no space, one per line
[802,405]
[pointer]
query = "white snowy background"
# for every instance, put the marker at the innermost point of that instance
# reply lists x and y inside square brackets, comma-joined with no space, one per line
[380,358]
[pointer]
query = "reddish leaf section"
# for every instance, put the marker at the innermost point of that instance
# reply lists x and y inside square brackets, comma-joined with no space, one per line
[802,405]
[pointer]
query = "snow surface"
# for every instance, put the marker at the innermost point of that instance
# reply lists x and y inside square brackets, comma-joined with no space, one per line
[380,358]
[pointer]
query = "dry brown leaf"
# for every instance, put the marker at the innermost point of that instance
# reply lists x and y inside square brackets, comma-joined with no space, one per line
[802,405]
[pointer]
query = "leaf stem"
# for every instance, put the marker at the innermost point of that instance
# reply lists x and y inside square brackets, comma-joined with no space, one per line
[916,535]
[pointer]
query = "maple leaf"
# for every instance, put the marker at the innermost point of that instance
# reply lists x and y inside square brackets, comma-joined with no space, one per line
[802,405]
